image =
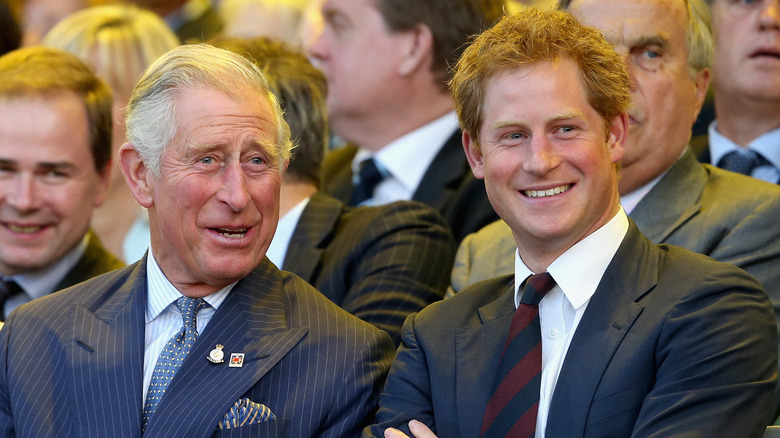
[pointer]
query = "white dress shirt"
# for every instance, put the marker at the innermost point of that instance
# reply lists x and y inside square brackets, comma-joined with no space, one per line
[163,318]
[277,251]
[577,272]
[406,159]
[768,145]
[43,282]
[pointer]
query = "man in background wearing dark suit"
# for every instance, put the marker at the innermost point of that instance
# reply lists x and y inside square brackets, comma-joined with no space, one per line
[387,63]
[55,157]
[745,137]
[379,263]
[599,332]
[204,334]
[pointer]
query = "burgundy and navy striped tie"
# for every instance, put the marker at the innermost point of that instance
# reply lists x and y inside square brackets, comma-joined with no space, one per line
[511,411]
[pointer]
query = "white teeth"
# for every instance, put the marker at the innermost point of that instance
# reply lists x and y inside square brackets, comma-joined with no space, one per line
[233,234]
[29,229]
[549,192]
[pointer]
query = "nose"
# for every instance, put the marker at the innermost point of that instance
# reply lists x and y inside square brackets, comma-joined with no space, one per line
[769,17]
[234,191]
[541,157]
[317,45]
[22,194]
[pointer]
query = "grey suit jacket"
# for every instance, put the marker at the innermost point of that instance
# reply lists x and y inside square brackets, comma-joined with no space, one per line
[672,343]
[378,263]
[72,363]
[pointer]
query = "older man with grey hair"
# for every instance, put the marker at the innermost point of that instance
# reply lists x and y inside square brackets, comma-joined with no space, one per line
[204,333]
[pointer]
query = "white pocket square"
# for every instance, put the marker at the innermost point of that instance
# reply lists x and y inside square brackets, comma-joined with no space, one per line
[245,412]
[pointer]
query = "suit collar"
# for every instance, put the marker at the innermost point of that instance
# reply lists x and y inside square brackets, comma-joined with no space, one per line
[659,214]
[311,235]
[444,175]
[610,314]
[108,340]
[477,353]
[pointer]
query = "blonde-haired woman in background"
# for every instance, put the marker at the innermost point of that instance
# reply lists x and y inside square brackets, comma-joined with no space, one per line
[119,42]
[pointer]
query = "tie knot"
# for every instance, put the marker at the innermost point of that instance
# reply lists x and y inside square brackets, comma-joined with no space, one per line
[189,308]
[743,161]
[369,177]
[9,288]
[535,287]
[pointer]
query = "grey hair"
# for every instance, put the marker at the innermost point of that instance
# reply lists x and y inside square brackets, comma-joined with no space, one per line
[151,112]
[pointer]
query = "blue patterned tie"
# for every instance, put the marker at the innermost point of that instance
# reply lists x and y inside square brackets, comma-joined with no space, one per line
[172,355]
[743,162]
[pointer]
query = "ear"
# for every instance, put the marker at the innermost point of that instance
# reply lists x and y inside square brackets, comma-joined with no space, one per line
[618,134]
[702,84]
[136,175]
[418,50]
[474,156]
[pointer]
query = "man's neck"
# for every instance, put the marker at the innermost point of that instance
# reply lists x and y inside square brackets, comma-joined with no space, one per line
[376,131]
[293,192]
[742,120]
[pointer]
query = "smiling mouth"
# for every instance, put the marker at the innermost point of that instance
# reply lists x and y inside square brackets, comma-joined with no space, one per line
[232,233]
[25,229]
[549,192]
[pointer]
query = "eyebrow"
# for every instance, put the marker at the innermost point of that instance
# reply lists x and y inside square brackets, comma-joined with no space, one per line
[573,114]
[46,165]
[651,40]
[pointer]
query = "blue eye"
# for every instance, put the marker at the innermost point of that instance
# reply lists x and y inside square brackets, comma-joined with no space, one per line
[257,160]
[207,160]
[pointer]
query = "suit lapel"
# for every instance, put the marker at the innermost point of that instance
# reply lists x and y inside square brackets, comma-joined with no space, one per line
[658,215]
[108,341]
[252,320]
[610,314]
[314,229]
[443,175]
[477,353]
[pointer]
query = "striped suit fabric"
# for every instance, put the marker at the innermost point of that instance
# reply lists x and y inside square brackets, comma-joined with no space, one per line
[73,363]
[379,263]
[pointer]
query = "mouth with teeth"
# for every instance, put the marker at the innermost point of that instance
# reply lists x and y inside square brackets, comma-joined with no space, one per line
[24,229]
[547,192]
[232,233]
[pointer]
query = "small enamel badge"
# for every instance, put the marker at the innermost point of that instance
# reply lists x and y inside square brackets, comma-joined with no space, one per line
[236,360]
[217,355]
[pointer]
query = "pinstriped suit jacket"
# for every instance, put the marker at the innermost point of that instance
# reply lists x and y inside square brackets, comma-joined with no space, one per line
[378,263]
[72,363]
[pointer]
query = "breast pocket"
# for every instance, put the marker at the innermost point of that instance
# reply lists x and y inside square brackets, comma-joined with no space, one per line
[268,429]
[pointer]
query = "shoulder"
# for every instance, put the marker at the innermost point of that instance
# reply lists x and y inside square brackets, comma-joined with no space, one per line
[462,309]
[339,158]
[738,190]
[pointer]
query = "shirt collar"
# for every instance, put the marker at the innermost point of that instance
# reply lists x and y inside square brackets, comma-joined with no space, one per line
[578,271]
[409,157]
[41,283]
[767,144]
[284,230]
[161,293]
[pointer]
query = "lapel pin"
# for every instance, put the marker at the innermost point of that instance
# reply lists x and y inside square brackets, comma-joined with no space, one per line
[236,360]
[217,355]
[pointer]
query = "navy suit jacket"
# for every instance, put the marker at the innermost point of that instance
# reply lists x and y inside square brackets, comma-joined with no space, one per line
[448,186]
[378,263]
[73,363]
[672,343]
